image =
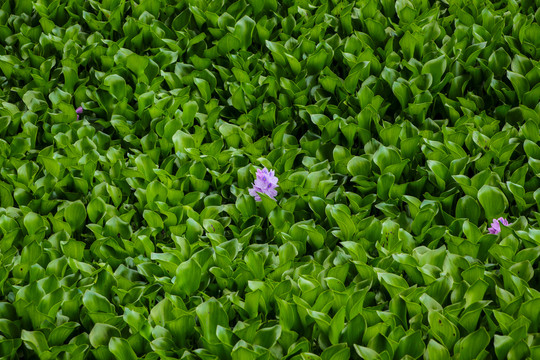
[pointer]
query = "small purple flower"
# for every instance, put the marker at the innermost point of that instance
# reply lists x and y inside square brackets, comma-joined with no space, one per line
[265,183]
[496,226]
[79,111]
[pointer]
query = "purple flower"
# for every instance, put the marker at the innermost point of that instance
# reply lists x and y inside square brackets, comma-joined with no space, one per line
[496,226]
[265,183]
[79,111]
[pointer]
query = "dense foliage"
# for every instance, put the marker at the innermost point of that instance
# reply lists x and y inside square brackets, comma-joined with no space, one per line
[398,130]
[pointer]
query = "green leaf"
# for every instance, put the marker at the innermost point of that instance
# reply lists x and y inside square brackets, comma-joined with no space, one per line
[243,30]
[116,85]
[188,277]
[443,329]
[412,345]
[75,215]
[366,353]
[344,221]
[281,219]
[358,166]
[194,230]
[230,132]
[211,314]
[315,238]
[499,61]
[519,82]
[153,219]
[406,11]
[393,283]
[385,157]
[530,309]
[467,207]
[531,98]
[95,302]
[137,64]
[436,67]
[74,249]
[96,209]
[228,43]
[409,42]
[493,201]
[239,102]
[156,191]
[317,61]
[336,352]
[336,326]
[473,344]
[117,228]
[35,101]
[146,5]
[101,334]
[59,334]
[204,88]
[531,149]
[121,349]
[475,292]
[267,337]
[35,340]
[33,223]
[247,206]
[384,184]
[437,351]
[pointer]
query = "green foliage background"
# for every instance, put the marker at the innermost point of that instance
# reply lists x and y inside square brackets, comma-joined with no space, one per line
[398,130]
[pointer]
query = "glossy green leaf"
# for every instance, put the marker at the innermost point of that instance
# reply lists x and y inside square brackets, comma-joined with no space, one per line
[188,276]
[101,334]
[443,329]
[471,346]
[117,86]
[121,349]
[75,215]
[493,201]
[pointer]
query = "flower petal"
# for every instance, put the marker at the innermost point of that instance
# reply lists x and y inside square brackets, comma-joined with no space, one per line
[253,192]
[271,192]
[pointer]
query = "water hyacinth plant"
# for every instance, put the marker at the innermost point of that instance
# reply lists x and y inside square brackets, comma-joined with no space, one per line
[400,131]
[266,183]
